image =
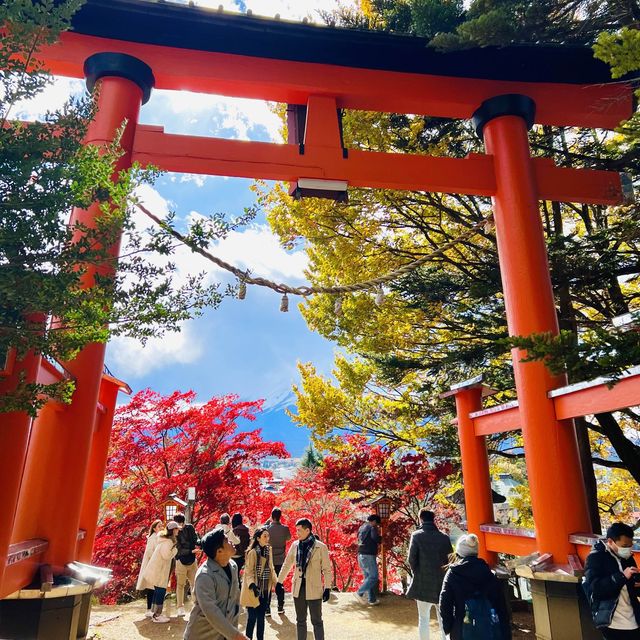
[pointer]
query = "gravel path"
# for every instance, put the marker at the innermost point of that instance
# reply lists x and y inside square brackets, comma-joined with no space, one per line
[395,619]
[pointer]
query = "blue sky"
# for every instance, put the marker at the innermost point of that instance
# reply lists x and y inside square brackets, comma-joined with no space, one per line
[249,347]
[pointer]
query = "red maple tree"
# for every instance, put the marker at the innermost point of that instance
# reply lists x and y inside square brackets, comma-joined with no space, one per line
[162,445]
[366,471]
[335,520]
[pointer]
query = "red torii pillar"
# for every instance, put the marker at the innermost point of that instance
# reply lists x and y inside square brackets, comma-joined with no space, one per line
[109,388]
[51,496]
[478,496]
[558,496]
[14,438]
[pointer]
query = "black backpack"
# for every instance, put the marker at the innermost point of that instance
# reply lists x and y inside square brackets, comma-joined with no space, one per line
[481,621]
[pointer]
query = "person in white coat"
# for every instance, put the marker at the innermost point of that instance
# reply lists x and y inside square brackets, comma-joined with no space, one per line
[159,567]
[312,578]
[142,584]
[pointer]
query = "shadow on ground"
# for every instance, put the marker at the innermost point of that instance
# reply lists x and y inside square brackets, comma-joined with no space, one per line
[395,619]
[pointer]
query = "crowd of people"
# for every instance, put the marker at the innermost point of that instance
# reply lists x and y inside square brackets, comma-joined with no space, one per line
[243,570]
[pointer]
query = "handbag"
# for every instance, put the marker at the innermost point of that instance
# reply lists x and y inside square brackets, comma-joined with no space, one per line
[247,597]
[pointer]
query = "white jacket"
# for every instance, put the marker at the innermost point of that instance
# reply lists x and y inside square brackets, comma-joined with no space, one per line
[157,570]
[152,543]
[228,531]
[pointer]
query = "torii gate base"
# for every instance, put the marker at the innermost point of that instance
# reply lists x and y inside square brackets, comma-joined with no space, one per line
[560,611]
[38,618]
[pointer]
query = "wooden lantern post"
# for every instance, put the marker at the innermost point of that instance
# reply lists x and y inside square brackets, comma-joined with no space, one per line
[383,511]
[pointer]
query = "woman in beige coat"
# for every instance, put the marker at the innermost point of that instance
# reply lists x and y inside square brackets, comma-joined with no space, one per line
[259,579]
[158,568]
[142,584]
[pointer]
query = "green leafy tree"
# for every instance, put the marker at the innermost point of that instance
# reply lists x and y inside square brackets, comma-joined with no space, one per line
[45,171]
[311,459]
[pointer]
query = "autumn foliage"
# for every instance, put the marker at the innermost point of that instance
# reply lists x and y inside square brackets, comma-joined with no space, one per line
[165,444]
[335,521]
[365,471]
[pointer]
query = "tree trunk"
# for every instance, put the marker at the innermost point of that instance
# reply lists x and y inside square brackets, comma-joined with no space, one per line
[590,483]
[628,452]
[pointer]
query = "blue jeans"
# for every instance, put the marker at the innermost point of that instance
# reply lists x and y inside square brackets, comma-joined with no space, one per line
[369,568]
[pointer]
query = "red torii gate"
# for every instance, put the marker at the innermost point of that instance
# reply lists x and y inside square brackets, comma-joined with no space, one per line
[51,472]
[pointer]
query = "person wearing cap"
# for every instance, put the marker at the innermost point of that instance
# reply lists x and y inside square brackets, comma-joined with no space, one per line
[429,551]
[469,577]
[612,581]
[159,567]
[215,614]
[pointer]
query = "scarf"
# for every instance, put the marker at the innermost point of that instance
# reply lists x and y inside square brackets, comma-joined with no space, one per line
[263,577]
[303,553]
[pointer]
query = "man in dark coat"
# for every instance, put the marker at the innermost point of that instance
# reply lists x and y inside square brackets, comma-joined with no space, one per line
[429,551]
[241,531]
[612,580]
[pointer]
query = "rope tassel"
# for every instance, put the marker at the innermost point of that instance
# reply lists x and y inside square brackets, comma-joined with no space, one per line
[284,304]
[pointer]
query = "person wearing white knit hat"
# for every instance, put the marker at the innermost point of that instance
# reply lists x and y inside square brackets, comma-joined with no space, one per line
[472,603]
[467,545]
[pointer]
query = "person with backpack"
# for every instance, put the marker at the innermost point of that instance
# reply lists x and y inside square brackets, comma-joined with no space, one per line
[472,603]
[368,542]
[612,585]
[186,564]
[429,551]
[241,531]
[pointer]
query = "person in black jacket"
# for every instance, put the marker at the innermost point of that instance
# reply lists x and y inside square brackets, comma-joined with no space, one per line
[186,564]
[612,580]
[429,551]
[465,577]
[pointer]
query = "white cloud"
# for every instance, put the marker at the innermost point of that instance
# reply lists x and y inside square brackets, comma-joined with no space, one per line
[258,250]
[196,178]
[217,113]
[253,248]
[51,98]
[131,359]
